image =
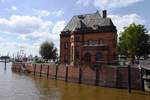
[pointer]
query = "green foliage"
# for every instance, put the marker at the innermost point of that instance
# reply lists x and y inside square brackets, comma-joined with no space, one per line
[57,61]
[48,51]
[38,61]
[134,41]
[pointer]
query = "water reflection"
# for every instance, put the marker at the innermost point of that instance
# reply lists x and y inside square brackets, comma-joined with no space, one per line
[27,87]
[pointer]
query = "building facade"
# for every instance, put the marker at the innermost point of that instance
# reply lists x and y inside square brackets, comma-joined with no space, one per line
[89,39]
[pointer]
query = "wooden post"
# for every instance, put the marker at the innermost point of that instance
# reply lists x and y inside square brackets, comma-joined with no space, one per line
[34,69]
[20,67]
[5,64]
[129,78]
[47,71]
[24,67]
[56,72]
[80,75]
[66,77]
[41,70]
[97,76]
[142,80]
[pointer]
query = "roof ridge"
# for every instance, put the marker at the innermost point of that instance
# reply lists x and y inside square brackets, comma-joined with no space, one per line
[97,12]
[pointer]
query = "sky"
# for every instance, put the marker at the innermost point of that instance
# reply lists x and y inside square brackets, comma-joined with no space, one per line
[25,24]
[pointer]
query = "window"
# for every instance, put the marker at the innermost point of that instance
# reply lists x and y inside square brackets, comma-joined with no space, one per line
[72,38]
[87,58]
[100,41]
[92,42]
[72,53]
[98,56]
[114,56]
[66,45]
[77,52]
[114,43]
[66,58]
[77,38]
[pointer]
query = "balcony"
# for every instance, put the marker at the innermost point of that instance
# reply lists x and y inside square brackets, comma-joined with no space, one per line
[94,44]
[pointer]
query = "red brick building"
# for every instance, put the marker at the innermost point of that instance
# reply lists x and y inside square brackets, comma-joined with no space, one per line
[89,39]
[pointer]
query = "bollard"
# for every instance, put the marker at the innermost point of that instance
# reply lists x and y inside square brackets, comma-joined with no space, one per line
[34,69]
[142,80]
[5,64]
[80,75]
[24,66]
[66,77]
[41,70]
[97,76]
[129,78]
[47,71]
[20,67]
[56,72]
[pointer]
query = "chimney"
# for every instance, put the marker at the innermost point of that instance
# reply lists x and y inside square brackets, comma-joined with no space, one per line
[104,14]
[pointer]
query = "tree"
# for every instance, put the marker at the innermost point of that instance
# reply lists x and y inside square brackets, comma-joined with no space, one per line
[48,51]
[134,41]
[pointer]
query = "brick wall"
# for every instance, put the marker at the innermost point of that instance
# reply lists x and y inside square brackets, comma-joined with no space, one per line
[108,53]
[108,76]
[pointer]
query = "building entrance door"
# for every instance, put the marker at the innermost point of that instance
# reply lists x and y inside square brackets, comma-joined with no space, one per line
[87,58]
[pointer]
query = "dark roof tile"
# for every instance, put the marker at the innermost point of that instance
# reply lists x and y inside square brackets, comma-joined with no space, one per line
[86,21]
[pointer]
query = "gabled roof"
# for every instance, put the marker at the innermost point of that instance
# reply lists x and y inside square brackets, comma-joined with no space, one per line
[92,22]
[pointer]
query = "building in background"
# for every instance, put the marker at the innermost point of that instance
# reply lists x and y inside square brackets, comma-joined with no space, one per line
[89,39]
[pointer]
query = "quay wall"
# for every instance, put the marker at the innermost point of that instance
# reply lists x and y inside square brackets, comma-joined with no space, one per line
[105,75]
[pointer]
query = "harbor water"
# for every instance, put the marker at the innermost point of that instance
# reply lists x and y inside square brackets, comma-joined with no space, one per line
[15,86]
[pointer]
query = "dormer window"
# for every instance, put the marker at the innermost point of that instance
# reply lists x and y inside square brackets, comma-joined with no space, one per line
[81,16]
[96,26]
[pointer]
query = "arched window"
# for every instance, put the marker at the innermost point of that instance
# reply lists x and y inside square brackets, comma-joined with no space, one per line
[98,56]
[66,45]
[65,58]
[71,53]
[87,58]
[77,52]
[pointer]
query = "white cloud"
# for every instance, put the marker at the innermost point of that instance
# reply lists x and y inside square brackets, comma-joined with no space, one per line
[45,35]
[2,0]
[14,8]
[31,31]
[42,13]
[107,4]
[23,24]
[53,35]
[122,21]
[58,27]
[35,36]
[1,39]
[14,47]
[58,13]
[83,2]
